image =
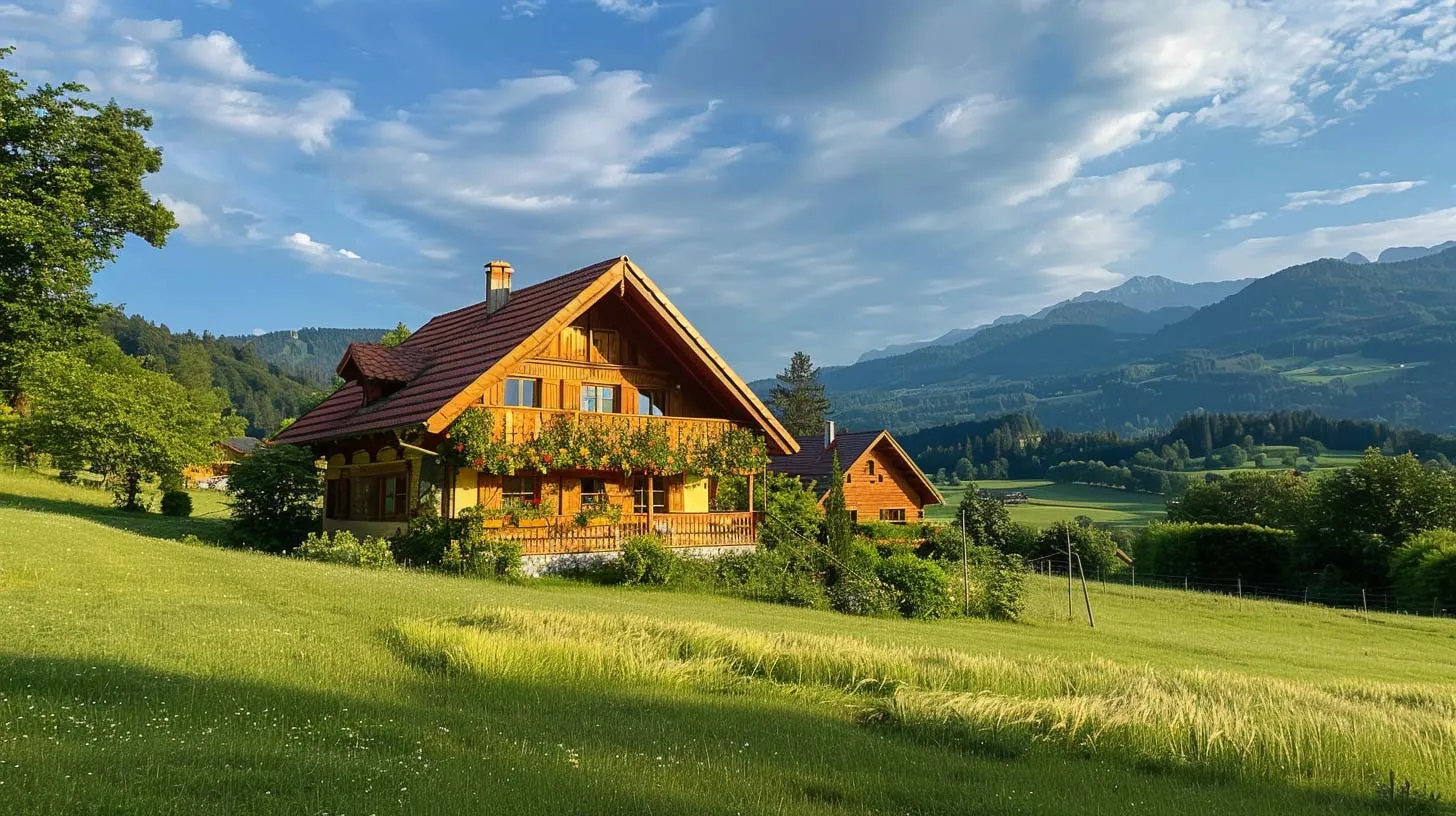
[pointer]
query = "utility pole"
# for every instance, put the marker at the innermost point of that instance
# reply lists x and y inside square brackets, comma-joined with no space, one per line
[1069,572]
[965,569]
[1087,599]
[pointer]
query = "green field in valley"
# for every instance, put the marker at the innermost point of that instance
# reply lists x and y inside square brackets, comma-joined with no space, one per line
[1053,502]
[142,675]
[1050,503]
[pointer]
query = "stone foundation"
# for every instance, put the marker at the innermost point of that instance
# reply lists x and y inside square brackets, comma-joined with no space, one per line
[539,565]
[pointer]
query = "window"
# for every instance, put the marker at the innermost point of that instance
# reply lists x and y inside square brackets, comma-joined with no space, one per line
[593,492]
[639,495]
[854,517]
[522,392]
[599,398]
[370,498]
[606,348]
[652,402]
[392,498]
[336,499]
[895,515]
[520,491]
[872,467]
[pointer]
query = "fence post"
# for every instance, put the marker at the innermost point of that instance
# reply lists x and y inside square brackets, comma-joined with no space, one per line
[1364,605]
[1306,594]
[1185,583]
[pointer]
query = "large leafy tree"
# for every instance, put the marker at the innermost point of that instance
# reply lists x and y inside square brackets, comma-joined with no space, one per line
[97,409]
[798,397]
[71,191]
[1246,497]
[276,496]
[987,521]
[1359,515]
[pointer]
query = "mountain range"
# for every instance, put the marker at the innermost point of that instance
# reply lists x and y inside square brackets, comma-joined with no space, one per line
[1150,293]
[1361,340]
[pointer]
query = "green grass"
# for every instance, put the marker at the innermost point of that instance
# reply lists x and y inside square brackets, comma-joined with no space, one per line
[1050,503]
[139,675]
[1352,368]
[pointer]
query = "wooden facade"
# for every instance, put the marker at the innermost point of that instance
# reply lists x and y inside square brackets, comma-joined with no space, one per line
[881,481]
[613,359]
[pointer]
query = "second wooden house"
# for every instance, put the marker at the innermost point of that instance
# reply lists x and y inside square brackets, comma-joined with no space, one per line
[881,481]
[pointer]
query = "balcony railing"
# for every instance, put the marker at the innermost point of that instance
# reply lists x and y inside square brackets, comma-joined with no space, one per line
[561,535]
[515,424]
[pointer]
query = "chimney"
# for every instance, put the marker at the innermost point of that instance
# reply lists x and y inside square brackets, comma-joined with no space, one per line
[828,434]
[497,286]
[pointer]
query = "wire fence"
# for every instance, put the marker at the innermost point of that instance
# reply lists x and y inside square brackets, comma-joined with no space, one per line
[1372,599]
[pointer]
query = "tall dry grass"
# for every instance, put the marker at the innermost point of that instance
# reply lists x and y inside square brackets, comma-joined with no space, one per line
[1346,736]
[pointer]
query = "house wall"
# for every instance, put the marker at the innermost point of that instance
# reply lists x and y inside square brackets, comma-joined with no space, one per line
[352,460]
[571,360]
[888,488]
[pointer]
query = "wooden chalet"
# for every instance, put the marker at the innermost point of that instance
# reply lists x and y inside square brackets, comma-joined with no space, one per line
[230,450]
[599,348]
[881,481]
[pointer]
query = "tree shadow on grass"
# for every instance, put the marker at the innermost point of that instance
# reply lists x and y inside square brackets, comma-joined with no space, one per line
[154,525]
[102,737]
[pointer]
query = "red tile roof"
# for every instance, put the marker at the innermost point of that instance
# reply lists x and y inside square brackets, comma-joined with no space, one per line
[460,346]
[376,362]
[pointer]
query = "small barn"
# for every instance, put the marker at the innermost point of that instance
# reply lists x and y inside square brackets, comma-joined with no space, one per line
[881,481]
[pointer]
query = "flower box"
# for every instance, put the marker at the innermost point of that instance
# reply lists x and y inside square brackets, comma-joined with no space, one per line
[493,523]
[533,522]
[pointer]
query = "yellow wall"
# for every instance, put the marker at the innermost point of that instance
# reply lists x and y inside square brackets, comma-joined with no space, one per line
[695,495]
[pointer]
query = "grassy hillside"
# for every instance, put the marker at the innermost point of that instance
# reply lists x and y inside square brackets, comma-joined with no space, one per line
[140,675]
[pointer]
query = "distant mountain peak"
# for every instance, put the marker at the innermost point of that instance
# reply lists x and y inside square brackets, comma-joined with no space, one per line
[1410,253]
[1356,258]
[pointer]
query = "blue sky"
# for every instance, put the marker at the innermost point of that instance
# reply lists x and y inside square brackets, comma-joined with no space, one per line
[826,175]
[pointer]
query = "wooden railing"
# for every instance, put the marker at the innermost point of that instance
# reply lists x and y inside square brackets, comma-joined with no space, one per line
[514,424]
[561,535]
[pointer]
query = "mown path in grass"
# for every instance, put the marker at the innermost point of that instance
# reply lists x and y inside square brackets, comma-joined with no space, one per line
[140,675]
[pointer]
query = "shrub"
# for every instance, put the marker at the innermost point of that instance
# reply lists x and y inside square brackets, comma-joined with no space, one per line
[276,495]
[424,543]
[344,548]
[469,551]
[176,503]
[857,593]
[921,587]
[1094,545]
[69,477]
[646,560]
[1424,570]
[999,585]
[1220,552]
[776,576]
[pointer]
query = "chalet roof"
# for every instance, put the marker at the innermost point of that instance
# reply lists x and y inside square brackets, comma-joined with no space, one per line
[458,355]
[377,362]
[241,444]
[815,460]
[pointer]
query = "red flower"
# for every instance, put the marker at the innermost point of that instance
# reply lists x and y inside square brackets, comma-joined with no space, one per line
[460,447]
[546,457]
[478,462]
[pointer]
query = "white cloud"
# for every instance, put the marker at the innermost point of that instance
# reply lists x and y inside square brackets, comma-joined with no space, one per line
[522,8]
[1367,175]
[436,254]
[148,32]
[629,8]
[219,55]
[1347,195]
[188,215]
[1238,222]
[1263,256]
[259,332]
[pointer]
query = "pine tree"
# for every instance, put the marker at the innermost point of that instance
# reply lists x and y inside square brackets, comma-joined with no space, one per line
[798,398]
[395,336]
[838,530]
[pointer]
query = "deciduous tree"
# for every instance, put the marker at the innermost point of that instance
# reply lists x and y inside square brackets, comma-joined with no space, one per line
[71,191]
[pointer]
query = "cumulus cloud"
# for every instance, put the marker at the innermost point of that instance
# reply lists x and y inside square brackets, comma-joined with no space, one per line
[1346,195]
[219,55]
[301,244]
[1238,222]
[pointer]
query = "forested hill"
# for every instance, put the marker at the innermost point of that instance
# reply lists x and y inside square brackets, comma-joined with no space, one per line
[309,354]
[260,392]
[1371,341]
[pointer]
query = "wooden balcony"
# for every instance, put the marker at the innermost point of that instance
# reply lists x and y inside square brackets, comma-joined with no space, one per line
[561,535]
[514,424]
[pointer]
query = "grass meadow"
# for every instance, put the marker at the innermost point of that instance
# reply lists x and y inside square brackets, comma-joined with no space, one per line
[142,675]
[1111,506]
